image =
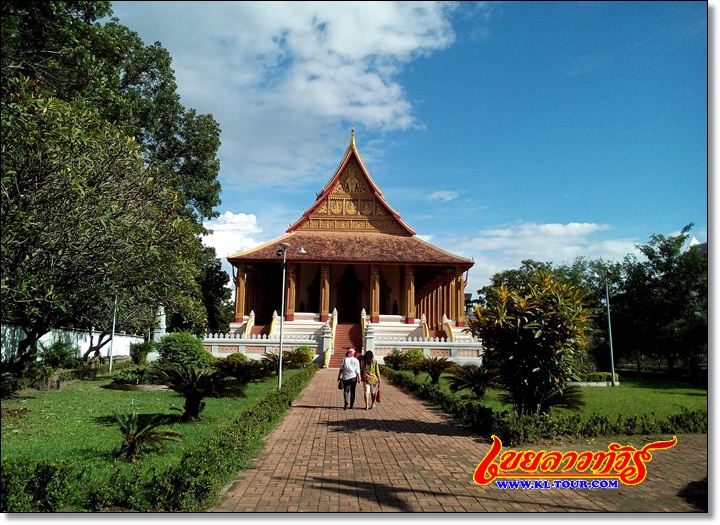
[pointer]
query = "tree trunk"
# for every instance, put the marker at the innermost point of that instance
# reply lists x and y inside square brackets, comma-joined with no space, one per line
[96,348]
[27,349]
[193,406]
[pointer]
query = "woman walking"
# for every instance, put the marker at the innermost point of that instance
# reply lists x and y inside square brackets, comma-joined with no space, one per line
[371,378]
[350,375]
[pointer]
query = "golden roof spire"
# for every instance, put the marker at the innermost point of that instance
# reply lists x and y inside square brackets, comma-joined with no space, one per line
[352,137]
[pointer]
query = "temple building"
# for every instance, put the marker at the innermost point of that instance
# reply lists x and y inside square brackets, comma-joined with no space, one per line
[357,258]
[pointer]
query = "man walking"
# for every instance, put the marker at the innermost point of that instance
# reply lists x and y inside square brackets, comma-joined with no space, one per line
[350,375]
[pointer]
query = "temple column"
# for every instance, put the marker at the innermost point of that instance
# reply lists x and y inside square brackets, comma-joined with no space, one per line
[240,294]
[460,294]
[443,294]
[448,296]
[290,292]
[431,307]
[451,299]
[374,293]
[409,298]
[324,292]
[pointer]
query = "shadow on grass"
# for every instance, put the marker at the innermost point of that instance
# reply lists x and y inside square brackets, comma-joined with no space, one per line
[696,493]
[112,421]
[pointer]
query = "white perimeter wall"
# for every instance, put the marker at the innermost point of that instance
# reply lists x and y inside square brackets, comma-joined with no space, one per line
[10,336]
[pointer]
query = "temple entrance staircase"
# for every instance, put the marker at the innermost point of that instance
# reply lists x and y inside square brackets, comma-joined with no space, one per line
[346,335]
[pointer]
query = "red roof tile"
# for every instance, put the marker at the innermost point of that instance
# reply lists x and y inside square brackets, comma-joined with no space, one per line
[350,247]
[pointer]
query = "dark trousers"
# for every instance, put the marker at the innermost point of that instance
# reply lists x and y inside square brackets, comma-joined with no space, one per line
[349,390]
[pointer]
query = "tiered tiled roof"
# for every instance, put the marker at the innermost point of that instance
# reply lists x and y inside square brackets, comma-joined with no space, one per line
[352,222]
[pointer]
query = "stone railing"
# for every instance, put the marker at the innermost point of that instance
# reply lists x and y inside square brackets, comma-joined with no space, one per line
[465,350]
[254,346]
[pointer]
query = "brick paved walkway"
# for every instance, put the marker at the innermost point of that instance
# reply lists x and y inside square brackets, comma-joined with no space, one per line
[422,462]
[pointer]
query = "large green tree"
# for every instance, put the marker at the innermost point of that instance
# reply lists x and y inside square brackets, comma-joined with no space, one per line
[88,60]
[84,220]
[661,310]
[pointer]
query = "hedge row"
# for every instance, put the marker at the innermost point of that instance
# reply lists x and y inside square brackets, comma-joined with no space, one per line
[513,429]
[190,485]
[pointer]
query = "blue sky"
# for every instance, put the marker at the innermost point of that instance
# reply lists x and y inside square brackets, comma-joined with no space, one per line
[500,131]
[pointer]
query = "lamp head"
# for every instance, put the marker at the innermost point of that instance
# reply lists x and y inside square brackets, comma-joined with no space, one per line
[284,245]
[302,251]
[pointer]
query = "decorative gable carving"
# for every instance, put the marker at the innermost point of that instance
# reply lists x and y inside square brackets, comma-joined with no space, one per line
[350,203]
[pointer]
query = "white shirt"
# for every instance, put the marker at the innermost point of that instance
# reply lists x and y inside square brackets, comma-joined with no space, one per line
[350,367]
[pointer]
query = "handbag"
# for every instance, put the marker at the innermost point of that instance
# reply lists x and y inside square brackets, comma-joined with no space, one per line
[378,398]
[340,384]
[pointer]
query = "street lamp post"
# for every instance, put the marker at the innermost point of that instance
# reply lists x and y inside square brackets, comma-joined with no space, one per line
[112,336]
[607,304]
[283,252]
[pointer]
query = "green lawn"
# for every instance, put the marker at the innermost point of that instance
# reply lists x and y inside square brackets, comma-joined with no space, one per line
[76,421]
[632,397]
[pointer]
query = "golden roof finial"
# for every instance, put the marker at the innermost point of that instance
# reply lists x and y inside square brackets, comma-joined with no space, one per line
[352,137]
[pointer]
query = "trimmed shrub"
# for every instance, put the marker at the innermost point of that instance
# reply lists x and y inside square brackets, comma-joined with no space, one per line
[237,358]
[184,348]
[135,376]
[415,355]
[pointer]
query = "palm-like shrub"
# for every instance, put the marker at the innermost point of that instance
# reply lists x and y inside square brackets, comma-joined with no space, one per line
[434,367]
[477,379]
[140,431]
[271,360]
[244,372]
[140,351]
[567,396]
[195,383]
[396,360]
[59,354]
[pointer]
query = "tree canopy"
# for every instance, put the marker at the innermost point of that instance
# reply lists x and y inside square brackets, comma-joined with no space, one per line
[84,220]
[106,176]
[661,310]
[86,56]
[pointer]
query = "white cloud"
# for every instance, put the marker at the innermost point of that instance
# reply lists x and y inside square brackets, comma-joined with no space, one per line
[443,195]
[232,233]
[282,77]
[499,249]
